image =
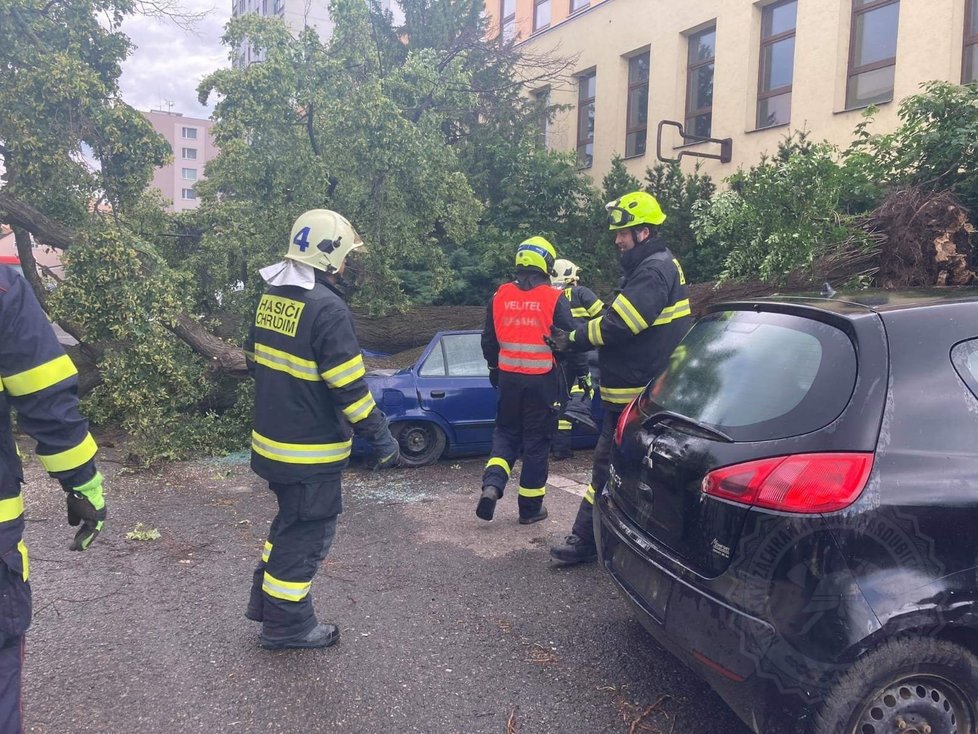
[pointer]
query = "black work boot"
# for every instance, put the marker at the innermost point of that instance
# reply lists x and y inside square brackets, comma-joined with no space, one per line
[487,503]
[322,635]
[575,550]
[537,516]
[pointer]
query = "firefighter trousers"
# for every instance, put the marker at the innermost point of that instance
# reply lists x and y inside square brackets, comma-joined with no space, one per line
[583,523]
[298,541]
[524,426]
[15,618]
[561,445]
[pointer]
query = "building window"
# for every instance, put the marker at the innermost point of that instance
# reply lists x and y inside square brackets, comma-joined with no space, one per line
[970,72]
[507,23]
[777,63]
[189,133]
[188,194]
[189,174]
[872,52]
[190,154]
[585,119]
[637,119]
[699,82]
[576,5]
[541,98]
[541,14]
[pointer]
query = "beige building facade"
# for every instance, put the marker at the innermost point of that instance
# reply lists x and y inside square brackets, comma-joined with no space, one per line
[192,144]
[750,72]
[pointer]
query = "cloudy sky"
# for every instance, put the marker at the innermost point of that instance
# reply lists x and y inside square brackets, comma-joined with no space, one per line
[168,62]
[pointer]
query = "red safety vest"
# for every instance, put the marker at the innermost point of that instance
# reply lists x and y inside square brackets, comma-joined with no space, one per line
[522,319]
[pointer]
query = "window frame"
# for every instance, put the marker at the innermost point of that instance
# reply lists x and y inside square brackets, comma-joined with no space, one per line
[185,133]
[647,55]
[576,6]
[853,71]
[690,69]
[766,42]
[188,194]
[583,104]
[185,171]
[970,41]
[507,20]
[537,4]
[542,99]
[185,150]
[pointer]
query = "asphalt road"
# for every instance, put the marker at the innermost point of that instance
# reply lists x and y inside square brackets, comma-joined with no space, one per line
[448,624]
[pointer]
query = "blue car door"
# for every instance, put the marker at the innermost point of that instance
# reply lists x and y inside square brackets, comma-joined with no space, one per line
[453,381]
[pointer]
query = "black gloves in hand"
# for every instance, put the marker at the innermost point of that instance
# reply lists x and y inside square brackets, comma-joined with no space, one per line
[559,340]
[494,376]
[86,507]
[387,453]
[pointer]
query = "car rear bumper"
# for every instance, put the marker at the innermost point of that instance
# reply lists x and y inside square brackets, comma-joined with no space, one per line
[714,638]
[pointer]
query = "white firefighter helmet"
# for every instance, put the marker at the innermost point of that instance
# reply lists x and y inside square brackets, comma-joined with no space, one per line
[323,239]
[565,273]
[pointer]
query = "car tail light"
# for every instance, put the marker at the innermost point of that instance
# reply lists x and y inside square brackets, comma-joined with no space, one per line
[800,483]
[623,421]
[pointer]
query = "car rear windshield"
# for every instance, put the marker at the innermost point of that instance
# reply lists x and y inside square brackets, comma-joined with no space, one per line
[758,376]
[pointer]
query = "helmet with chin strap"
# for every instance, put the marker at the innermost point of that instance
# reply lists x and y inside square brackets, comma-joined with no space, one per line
[564,273]
[636,209]
[323,239]
[536,252]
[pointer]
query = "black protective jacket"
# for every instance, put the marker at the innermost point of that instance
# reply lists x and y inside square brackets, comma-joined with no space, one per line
[585,305]
[636,332]
[310,391]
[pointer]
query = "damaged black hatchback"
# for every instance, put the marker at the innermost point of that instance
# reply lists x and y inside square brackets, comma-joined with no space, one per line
[793,511]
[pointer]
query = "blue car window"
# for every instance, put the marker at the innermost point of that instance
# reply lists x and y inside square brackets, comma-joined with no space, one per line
[434,365]
[463,354]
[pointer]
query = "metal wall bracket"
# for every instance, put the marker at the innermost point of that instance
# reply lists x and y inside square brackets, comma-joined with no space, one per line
[726,145]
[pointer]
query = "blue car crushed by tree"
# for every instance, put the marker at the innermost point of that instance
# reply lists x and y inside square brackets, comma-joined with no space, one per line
[443,404]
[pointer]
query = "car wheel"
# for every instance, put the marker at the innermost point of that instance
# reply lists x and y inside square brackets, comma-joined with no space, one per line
[911,684]
[421,443]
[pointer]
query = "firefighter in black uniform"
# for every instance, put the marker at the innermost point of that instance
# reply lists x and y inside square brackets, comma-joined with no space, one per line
[309,394]
[585,305]
[39,381]
[522,366]
[634,335]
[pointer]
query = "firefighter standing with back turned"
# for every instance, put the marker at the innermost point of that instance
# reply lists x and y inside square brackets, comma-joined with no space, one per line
[39,381]
[309,392]
[522,366]
[584,306]
[634,335]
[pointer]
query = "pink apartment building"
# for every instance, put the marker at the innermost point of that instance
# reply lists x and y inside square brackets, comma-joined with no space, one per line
[192,144]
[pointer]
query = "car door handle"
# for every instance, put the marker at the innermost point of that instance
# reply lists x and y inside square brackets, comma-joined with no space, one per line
[437,393]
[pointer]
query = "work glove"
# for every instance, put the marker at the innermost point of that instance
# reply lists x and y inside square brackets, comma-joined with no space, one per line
[584,382]
[387,453]
[494,376]
[559,340]
[86,507]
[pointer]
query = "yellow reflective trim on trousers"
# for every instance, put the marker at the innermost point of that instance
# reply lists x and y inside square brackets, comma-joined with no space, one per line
[622,395]
[629,314]
[300,453]
[344,374]
[563,425]
[266,552]
[532,492]
[276,359]
[37,378]
[287,590]
[72,458]
[11,508]
[496,461]
[360,409]
[671,313]
[594,331]
[24,560]
[595,308]
[589,495]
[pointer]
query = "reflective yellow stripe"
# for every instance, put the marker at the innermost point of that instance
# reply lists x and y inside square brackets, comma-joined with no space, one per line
[620,395]
[360,409]
[579,313]
[72,458]
[266,552]
[529,492]
[595,308]
[249,355]
[40,377]
[11,508]
[276,359]
[629,314]
[682,275]
[496,461]
[24,561]
[563,425]
[576,389]
[671,313]
[345,373]
[287,590]
[589,494]
[300,453]
[594,331]
[1,385]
